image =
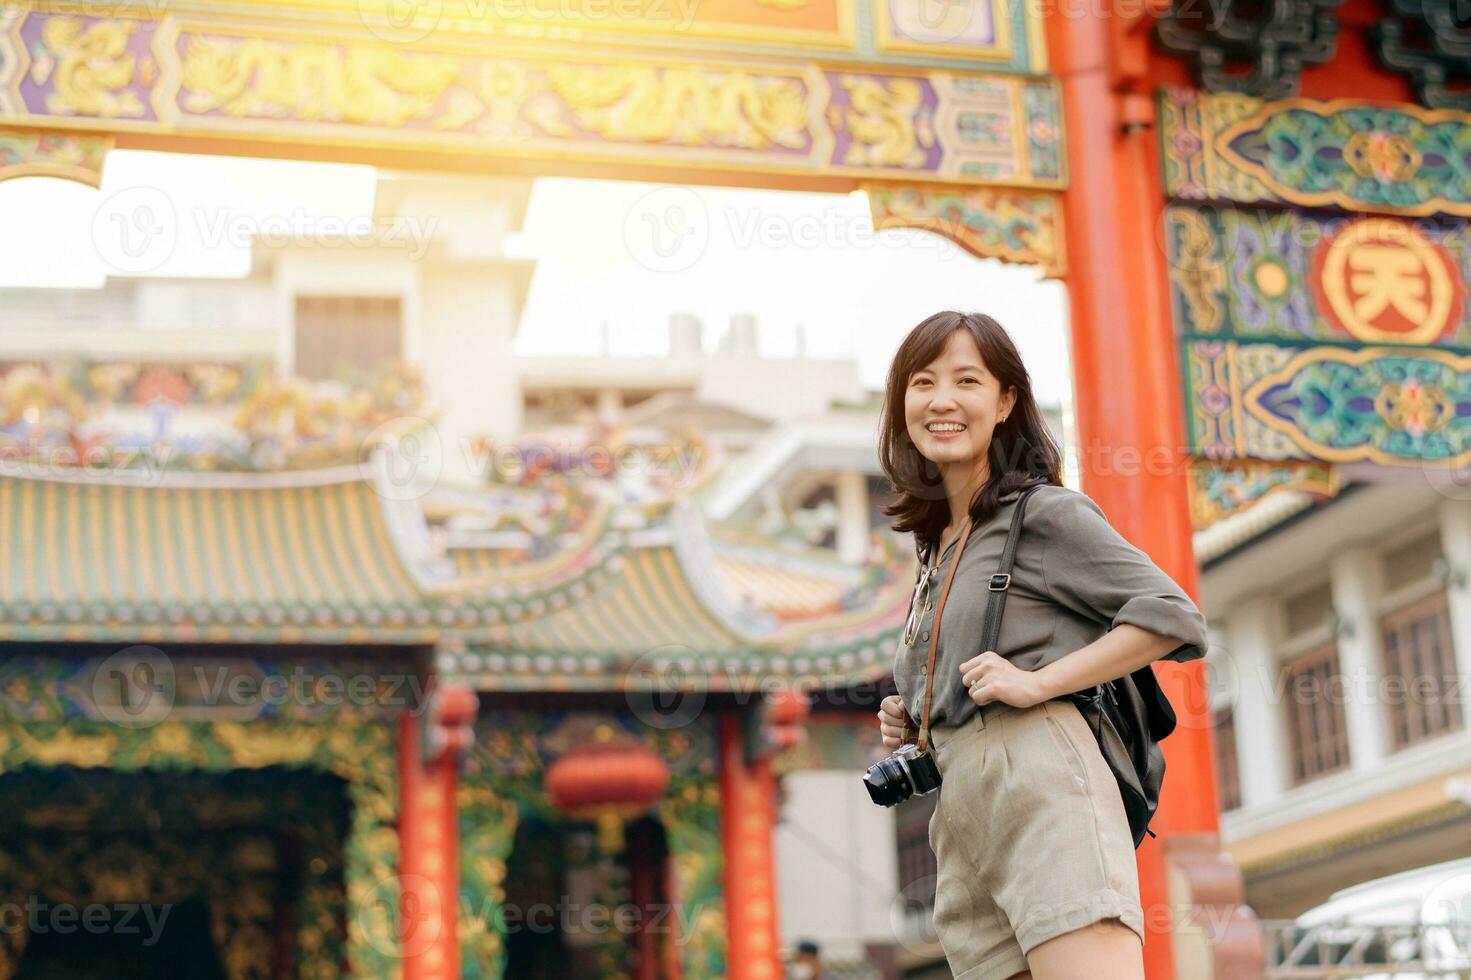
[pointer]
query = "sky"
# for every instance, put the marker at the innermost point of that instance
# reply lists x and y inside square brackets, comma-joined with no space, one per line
[628,254]
[613,259]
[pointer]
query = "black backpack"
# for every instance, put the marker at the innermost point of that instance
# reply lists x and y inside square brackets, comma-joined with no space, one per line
[1129,716]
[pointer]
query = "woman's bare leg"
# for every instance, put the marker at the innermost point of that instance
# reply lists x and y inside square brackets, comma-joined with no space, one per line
[1107,950]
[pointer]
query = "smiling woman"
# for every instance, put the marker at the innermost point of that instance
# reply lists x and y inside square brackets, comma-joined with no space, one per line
[964,397]
[1036,872]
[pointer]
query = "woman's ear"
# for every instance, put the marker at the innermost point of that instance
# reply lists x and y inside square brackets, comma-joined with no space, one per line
[1008,402]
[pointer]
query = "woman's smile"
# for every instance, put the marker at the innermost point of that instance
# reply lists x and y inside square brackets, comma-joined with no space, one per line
[945,430]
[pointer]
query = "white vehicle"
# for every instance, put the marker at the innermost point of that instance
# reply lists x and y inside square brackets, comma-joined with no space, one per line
[1415,925]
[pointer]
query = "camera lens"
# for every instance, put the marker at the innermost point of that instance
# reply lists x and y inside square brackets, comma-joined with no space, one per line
[888,782]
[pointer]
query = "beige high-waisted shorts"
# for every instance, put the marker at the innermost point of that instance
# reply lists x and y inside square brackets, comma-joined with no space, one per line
[1030,837]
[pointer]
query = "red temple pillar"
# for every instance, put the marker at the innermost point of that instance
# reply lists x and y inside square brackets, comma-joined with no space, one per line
[747,821]
[1129,411]
[428,859]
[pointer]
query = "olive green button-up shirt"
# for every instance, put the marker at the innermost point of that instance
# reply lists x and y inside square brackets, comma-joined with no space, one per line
[1075,578]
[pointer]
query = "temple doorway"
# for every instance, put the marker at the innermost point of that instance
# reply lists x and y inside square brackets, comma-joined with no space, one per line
[584,902]
[144,875]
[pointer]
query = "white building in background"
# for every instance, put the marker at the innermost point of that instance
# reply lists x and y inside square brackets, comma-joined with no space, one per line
[1341,661]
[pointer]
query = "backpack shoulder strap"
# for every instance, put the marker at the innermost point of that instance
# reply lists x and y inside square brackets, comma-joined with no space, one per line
[1001,581]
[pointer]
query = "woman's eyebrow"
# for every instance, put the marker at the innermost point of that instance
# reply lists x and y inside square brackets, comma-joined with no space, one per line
[974,368]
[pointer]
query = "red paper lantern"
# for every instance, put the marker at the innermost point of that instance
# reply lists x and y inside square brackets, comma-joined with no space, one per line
[788,706]
[609,783]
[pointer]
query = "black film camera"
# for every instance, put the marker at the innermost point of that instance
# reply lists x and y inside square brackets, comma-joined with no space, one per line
[907,772]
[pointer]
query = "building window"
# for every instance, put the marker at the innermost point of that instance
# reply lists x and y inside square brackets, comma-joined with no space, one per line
[1315,714]
[917,868]
[347,337]
[1420,671]
[1228,772]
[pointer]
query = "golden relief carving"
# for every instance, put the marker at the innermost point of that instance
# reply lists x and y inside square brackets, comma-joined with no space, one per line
[362,755]
[67,748]
[311,82]
[259,746]
[92,68]
[684,106]
[881,118]
[1202,277]
[83,870]
[491,98]
[297,86]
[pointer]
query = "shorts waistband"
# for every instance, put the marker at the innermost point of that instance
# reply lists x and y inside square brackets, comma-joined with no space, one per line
[944,731]
[985,715]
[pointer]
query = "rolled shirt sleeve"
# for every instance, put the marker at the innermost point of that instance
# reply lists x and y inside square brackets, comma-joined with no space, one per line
[1092,570]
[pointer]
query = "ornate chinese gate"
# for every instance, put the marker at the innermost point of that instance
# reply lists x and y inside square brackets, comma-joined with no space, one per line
[951,123]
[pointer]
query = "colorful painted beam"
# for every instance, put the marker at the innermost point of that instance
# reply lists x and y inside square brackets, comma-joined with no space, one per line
[1295,277]
[1011,225]
[69,156]
[1220,490]
[227,85]
[1387,405]
[1351,154]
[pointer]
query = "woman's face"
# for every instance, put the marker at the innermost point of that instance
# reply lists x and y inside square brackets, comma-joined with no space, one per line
[952,404]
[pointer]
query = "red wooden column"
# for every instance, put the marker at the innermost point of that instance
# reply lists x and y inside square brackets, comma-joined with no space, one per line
[428,865]
[1130,428]
[747,822]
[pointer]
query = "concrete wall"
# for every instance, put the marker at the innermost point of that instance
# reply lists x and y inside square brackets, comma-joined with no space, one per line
[837,868]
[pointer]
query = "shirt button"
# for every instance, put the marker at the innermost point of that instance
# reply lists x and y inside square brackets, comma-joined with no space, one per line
[925,635]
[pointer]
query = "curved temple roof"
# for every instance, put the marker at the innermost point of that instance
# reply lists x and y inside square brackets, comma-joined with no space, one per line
[325,557]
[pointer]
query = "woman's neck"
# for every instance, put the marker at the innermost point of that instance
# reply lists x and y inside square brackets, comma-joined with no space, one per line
[960,486]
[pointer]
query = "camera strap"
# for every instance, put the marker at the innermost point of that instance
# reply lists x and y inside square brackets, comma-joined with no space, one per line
[995,604]
[929,677]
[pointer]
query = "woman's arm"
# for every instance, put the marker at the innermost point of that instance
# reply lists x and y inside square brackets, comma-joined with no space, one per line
[1122,650]
[1091,570]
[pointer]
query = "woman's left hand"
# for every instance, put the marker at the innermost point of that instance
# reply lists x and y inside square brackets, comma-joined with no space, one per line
[991,677]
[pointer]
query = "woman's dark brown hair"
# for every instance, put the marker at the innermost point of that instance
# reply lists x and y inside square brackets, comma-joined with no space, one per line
[1022,452]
